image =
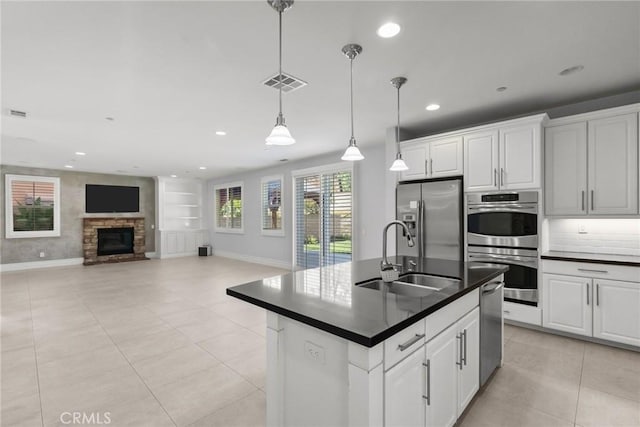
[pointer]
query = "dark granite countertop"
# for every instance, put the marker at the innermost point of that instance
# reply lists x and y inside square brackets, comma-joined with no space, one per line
[326,298]
[629,260]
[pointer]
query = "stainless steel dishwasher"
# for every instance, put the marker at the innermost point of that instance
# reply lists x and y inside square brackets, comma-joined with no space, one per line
[490,328]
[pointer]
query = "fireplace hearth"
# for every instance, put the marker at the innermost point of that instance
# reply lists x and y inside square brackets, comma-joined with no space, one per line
[113,239]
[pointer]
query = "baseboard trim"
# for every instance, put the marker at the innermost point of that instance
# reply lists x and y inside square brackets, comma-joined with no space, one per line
[151,255]
[253,259]
[17,266]
[180,255]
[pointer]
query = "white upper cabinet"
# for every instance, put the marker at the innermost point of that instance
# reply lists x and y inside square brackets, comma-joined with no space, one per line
[505,156]
[591,166]
[613,165]
[520,152]
[415,155]
[481,165]
[446,157]
[432,158]
[566,169]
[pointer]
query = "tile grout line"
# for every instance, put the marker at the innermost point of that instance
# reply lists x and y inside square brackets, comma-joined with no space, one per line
[35,349]
[129,362]
[575,417]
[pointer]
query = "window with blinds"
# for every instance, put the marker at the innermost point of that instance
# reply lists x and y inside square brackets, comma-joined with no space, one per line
[228,207]
[271,194]
[32,206]
[323,209]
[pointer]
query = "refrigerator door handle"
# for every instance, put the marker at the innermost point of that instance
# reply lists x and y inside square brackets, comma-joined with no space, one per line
[420,227]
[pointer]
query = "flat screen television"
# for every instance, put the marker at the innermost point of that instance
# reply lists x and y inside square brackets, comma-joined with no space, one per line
[111,198]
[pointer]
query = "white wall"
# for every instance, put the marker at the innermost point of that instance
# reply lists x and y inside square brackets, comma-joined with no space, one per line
[603,236]
[369,205]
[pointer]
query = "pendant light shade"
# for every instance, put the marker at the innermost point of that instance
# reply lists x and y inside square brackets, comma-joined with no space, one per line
[352,152]
[280,134]
[398,164]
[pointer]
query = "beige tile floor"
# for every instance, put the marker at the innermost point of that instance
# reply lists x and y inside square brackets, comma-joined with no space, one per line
[158,343]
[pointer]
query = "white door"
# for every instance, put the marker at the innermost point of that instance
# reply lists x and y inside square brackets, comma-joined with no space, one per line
[446,157]
[613,165]
[415,156]
[442,378]
[404,389]
[565,166]
[567,302]
[520,152]
[617,311]
[469,376]
[481,161]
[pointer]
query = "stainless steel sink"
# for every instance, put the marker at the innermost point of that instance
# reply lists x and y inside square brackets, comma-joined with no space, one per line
[428,281]
[411,285]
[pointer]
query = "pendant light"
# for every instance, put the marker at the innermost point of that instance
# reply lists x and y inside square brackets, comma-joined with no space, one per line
[398,164]
[352,153]
[280,134]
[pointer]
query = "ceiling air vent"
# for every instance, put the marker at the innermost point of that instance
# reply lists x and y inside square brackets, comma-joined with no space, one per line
[16,113]
[289,83]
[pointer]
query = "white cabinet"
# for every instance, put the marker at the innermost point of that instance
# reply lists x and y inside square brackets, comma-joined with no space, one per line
[432,158]
[613,165]
[403,390]
[616,313]
[591,167]
[506,156]
[567,303]
[453,370]
[596,300]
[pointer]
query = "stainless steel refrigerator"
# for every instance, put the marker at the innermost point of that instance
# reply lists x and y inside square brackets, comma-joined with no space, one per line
[432,210]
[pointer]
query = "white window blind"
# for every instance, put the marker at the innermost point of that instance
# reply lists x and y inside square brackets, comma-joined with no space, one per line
[228,203]
[271,194]
[32,206]
[323,207]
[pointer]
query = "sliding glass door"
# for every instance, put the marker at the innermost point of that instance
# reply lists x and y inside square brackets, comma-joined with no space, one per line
[323,216]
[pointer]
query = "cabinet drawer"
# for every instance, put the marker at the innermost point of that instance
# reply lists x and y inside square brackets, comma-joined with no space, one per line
[597,271]
[403,344]
[442,319]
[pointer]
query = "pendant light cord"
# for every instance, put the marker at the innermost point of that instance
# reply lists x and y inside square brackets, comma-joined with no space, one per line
[280,60]
[351,86]
[398,125]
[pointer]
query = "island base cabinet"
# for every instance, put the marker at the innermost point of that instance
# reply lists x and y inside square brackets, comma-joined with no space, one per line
[616,313]
[468,377]
[404,384]
[442,378]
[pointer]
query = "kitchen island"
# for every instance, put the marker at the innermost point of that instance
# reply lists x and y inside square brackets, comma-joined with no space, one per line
[345,350]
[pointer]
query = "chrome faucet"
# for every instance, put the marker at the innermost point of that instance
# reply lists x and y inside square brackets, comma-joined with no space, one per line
[388,270]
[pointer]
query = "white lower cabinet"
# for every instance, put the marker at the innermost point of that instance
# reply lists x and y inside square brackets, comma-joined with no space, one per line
[434,385]
[577,299]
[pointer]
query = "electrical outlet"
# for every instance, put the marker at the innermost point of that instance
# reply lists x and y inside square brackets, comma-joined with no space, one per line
[582,229]
[42,254]
[314,352]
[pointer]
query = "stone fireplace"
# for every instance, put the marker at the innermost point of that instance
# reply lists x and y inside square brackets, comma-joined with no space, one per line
[113,239]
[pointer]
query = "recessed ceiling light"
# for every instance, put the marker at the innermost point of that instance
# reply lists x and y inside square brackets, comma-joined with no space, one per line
[388,30]
[432,107]
[109,118]
[571,70]
[501,89]
[80,153]
[173,176]
[220,133]
[284,160]
[68,166]
[202,168]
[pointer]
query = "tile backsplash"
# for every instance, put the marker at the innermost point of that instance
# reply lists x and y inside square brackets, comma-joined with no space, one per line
[603,236]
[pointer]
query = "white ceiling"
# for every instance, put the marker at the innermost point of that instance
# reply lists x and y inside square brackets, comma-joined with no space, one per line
[172,73]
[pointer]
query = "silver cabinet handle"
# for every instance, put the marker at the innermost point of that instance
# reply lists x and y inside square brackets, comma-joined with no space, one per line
[592,271]
[465,347]
[459,337]
[495,177]
[431,165]
[592,202]
[582,199]
[426,167]
[427,397]
[501,176]
[506,311]
[412,341]
[587,293]
[597,294]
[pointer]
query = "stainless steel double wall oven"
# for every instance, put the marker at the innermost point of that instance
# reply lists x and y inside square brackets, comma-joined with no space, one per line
[502,228]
